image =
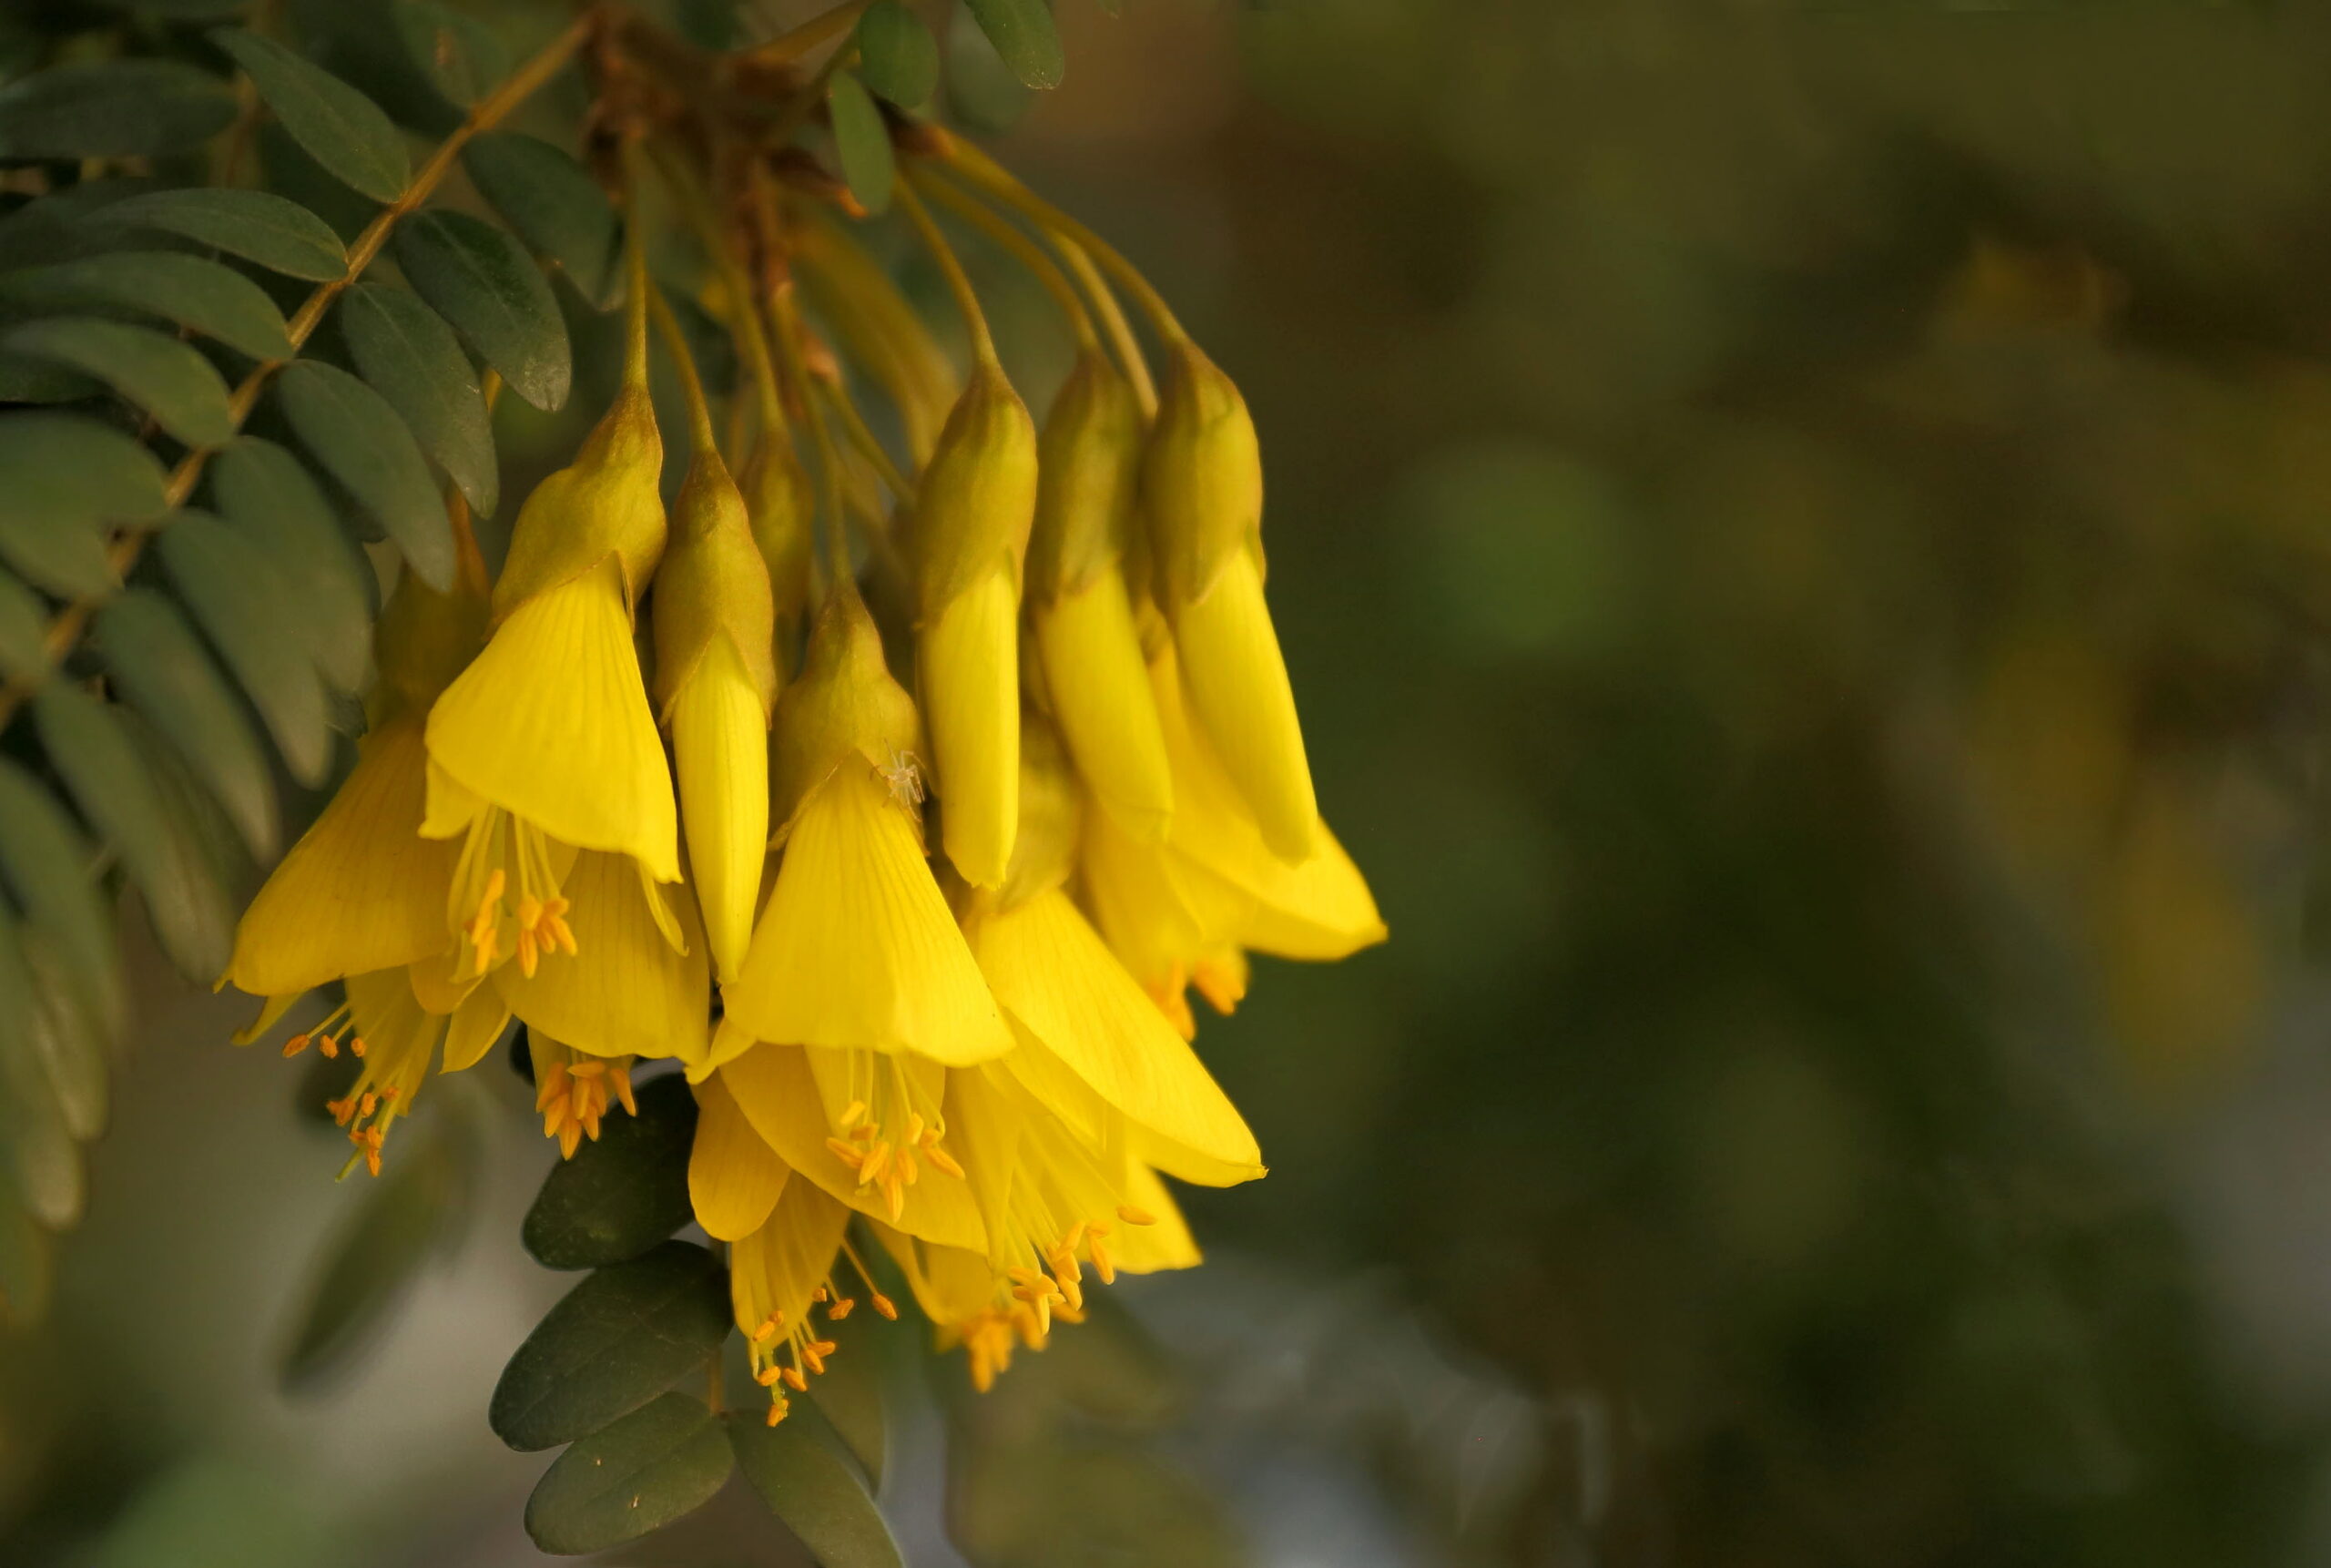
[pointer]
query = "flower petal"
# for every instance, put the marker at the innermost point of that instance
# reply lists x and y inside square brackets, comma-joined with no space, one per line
[720,746]
[1100,692]
[551,723]
[1053,973]
[360,891]
[477,1024]
[775,1269]
[734,1176]
[1238,685]
[970,663]
[624,992]
[857,947]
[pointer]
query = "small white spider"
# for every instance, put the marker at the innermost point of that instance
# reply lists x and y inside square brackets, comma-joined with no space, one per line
[904,776]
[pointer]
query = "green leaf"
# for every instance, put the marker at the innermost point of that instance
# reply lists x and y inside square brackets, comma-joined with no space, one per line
[68,477]
[365,445]
[201,296]
[663,1461]
[981,90]
[152,369]
[42,1153]
[862,142]
[462,57]
[278,234]
[24,630]
[292,171]
[1024,36]
[66,1038]
[247,611]
[411,358]
[800,1470]
[897,54]
[161,669]
[341,128]
[266,495]
[616,1341]
[27,1273]
[53,872]
[555,205]
[107,776]
[849,1392]
[482,280]
[36,381]
[373,1259]
[620,1196]
[112,108]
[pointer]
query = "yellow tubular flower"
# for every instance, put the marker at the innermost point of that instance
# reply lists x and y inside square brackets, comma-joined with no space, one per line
[974,508]
[362,891]
[545,744]
[778,1273]
[716,680]
[1080,607]
[1052,1209]
[856,949]
[1202,486]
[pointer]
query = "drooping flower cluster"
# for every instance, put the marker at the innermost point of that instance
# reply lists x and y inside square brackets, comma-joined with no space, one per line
[949,933]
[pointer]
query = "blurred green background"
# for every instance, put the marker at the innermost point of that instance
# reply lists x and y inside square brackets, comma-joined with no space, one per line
[1803,534]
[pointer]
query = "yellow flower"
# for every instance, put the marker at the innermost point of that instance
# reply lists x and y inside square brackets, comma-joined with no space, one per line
[362,891]
[1088,644]
[1202,484]
[1182,913]
[857,950]
[778,1272]
[974,508]
[544,744]
[1053,1208]
[716,682]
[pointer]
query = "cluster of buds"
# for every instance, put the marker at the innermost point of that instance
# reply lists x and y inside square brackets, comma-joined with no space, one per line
[950,929]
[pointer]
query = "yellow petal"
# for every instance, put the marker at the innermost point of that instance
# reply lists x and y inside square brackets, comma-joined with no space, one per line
[269,1015]
[551,723]
[477,1023]
[1318,908]
[775,1270]
[720,746]
[970,660]
[624,992]
[781,1097]
[1100,690]
[1053,973]
[734,1176]
[438,985]
[1162,926]
[857,948]
[1238,685]
[360,891]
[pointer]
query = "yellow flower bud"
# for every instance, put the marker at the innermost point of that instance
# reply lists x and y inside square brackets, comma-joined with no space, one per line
[1088,646]
[1202,484]
[977,502]
[783,508]
[715,684]
[607,501]
[844,704]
